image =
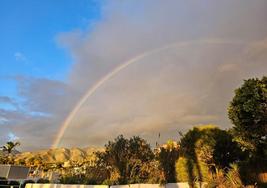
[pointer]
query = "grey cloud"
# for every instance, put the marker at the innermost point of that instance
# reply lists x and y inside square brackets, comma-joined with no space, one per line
[165,92]
[45,95]
[6,99]
[171,90]
[10,101]
[43,106]
[129,28]
[33,132]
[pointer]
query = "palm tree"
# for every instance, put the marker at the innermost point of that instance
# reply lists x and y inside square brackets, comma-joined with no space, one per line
[10,146]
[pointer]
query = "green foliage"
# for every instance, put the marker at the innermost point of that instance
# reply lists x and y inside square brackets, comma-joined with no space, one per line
[233,176]
[123,159]
[225,179]
[10,146]
[6,159]
[210,145]
[72,179]
[42,180]
[110,182]
[93,175]
[248,113]
[148,172]
[167,158]
[226,151]
[2,158]
[96,174]
[251,171]
[188,170]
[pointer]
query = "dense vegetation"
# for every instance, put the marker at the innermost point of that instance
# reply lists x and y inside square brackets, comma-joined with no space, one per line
[225,158]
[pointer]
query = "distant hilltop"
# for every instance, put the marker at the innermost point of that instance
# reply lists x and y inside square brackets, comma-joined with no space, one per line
[58,155]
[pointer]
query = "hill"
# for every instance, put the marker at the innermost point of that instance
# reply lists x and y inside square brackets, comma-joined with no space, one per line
[58,155]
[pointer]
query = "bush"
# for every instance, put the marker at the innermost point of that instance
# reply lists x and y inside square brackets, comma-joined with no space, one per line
[188,171]
[41,180]
[95,175]
[211,146]
[76,179]
[149,172]
[224,179]
[123,158]
[110,182]
[254,171]
[167,157]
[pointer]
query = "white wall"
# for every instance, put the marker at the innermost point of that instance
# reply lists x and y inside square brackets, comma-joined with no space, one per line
[169,185]
[138,186]
[36,185]
[177,185]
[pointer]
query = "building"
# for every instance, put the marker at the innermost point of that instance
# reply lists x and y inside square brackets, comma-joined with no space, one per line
[14,172]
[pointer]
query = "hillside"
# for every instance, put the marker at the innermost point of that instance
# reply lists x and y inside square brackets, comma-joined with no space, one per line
[58,155]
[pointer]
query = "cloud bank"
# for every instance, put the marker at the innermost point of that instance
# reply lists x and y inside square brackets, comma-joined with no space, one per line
[165,92]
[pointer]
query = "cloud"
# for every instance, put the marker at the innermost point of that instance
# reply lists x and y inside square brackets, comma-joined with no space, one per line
[42,105]
[164,92]
[3,120]
[19,56]
[44,95]
[8,103]
[5,99]
[175,88]
[168,92]
[12,137]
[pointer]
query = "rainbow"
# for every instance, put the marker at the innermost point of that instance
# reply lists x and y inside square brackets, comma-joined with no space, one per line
[115,71]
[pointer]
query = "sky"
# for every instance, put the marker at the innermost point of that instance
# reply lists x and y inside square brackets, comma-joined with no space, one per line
[193,54]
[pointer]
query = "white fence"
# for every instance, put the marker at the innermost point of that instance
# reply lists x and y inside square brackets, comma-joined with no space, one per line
[168,185]
[36,185]
[138,186]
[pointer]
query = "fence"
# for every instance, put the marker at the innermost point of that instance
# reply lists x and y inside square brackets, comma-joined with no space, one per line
[14,171]
[168,185]
[9,184]
[16,184]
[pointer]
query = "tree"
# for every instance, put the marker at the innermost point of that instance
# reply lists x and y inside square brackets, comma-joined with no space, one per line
[122,157]
[248,113]
[10,146]
[167,156]
[207,146]
[7,149]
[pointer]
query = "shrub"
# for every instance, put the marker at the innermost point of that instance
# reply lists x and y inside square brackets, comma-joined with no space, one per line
[187,170]
[224,179]
[42,180]
[254,171]
[76,179]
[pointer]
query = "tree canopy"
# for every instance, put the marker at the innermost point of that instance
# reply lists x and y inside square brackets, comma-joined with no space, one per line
[10,146]
[124,156]
[167,156]
[248,113]
[210,145]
